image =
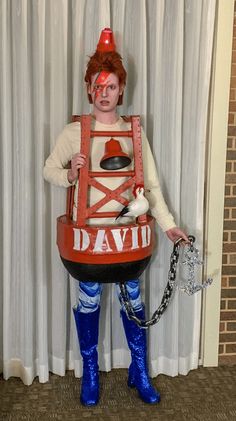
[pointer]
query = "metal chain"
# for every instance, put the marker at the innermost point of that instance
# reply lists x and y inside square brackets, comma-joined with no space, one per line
[168,292]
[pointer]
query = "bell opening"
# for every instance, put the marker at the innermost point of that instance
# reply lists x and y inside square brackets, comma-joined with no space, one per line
[115,163]
[114,158]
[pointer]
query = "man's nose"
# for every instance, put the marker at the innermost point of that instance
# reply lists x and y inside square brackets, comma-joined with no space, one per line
[104,91]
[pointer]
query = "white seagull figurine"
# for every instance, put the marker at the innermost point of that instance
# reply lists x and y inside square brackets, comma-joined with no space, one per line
[138,206]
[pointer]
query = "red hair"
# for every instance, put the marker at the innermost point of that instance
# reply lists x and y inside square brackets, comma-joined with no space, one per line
[110,62]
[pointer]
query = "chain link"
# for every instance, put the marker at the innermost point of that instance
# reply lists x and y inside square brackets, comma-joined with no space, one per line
[168,292]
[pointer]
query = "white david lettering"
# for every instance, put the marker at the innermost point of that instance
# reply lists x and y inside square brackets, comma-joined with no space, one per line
[103,240]
[81,239]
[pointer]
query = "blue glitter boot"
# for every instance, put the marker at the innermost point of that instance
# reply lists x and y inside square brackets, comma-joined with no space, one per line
[87,329]
[138,370]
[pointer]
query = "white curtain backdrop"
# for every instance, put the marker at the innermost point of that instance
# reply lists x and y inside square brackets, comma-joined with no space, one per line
[44,48]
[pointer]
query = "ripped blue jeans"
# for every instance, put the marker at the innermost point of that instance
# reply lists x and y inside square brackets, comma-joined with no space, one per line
[88,295]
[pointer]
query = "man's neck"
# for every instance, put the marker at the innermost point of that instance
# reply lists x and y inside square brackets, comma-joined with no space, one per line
[105,118]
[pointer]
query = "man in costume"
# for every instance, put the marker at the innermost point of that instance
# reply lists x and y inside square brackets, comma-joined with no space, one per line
[106,78]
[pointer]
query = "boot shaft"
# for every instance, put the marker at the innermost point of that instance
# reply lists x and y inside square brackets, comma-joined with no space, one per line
[87,325]
[87,330]
[136,336]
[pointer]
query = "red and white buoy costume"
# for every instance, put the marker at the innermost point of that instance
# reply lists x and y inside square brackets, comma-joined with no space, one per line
[88,300]
[68,144]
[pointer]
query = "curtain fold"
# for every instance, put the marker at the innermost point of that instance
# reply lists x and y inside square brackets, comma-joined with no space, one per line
[167,49]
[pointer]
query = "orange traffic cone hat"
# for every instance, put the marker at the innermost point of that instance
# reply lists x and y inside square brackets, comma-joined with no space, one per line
[106,43]
[114,158]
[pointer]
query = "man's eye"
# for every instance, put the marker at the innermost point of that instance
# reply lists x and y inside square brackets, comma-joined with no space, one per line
[97,87]
[112,87]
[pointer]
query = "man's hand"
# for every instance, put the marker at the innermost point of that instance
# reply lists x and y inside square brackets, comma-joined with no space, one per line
[175,233]
[77,162]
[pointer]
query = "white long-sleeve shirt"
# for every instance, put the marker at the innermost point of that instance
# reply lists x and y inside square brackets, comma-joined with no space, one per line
[68,144]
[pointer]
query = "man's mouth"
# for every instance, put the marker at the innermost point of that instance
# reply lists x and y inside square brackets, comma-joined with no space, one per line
[104,102]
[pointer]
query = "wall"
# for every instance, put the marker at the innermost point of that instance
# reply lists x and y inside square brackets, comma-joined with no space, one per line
[227,346]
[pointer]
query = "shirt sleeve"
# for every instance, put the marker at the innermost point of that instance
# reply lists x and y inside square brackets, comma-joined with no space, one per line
[155,197]
[55,170]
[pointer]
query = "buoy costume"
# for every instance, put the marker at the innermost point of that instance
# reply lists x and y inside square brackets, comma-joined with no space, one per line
[87,310]
[68,144]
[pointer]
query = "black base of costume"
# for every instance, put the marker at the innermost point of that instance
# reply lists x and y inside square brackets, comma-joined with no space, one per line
[107,273]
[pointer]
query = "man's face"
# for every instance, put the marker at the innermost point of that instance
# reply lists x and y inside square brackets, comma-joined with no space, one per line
[105,91]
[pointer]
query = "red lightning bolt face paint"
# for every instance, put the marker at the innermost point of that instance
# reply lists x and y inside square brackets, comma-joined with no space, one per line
[100,82]
[105,91]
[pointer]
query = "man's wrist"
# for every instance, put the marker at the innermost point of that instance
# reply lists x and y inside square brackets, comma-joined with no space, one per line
[70,177]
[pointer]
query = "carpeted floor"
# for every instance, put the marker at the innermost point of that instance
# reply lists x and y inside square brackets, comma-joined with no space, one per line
[206,394]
